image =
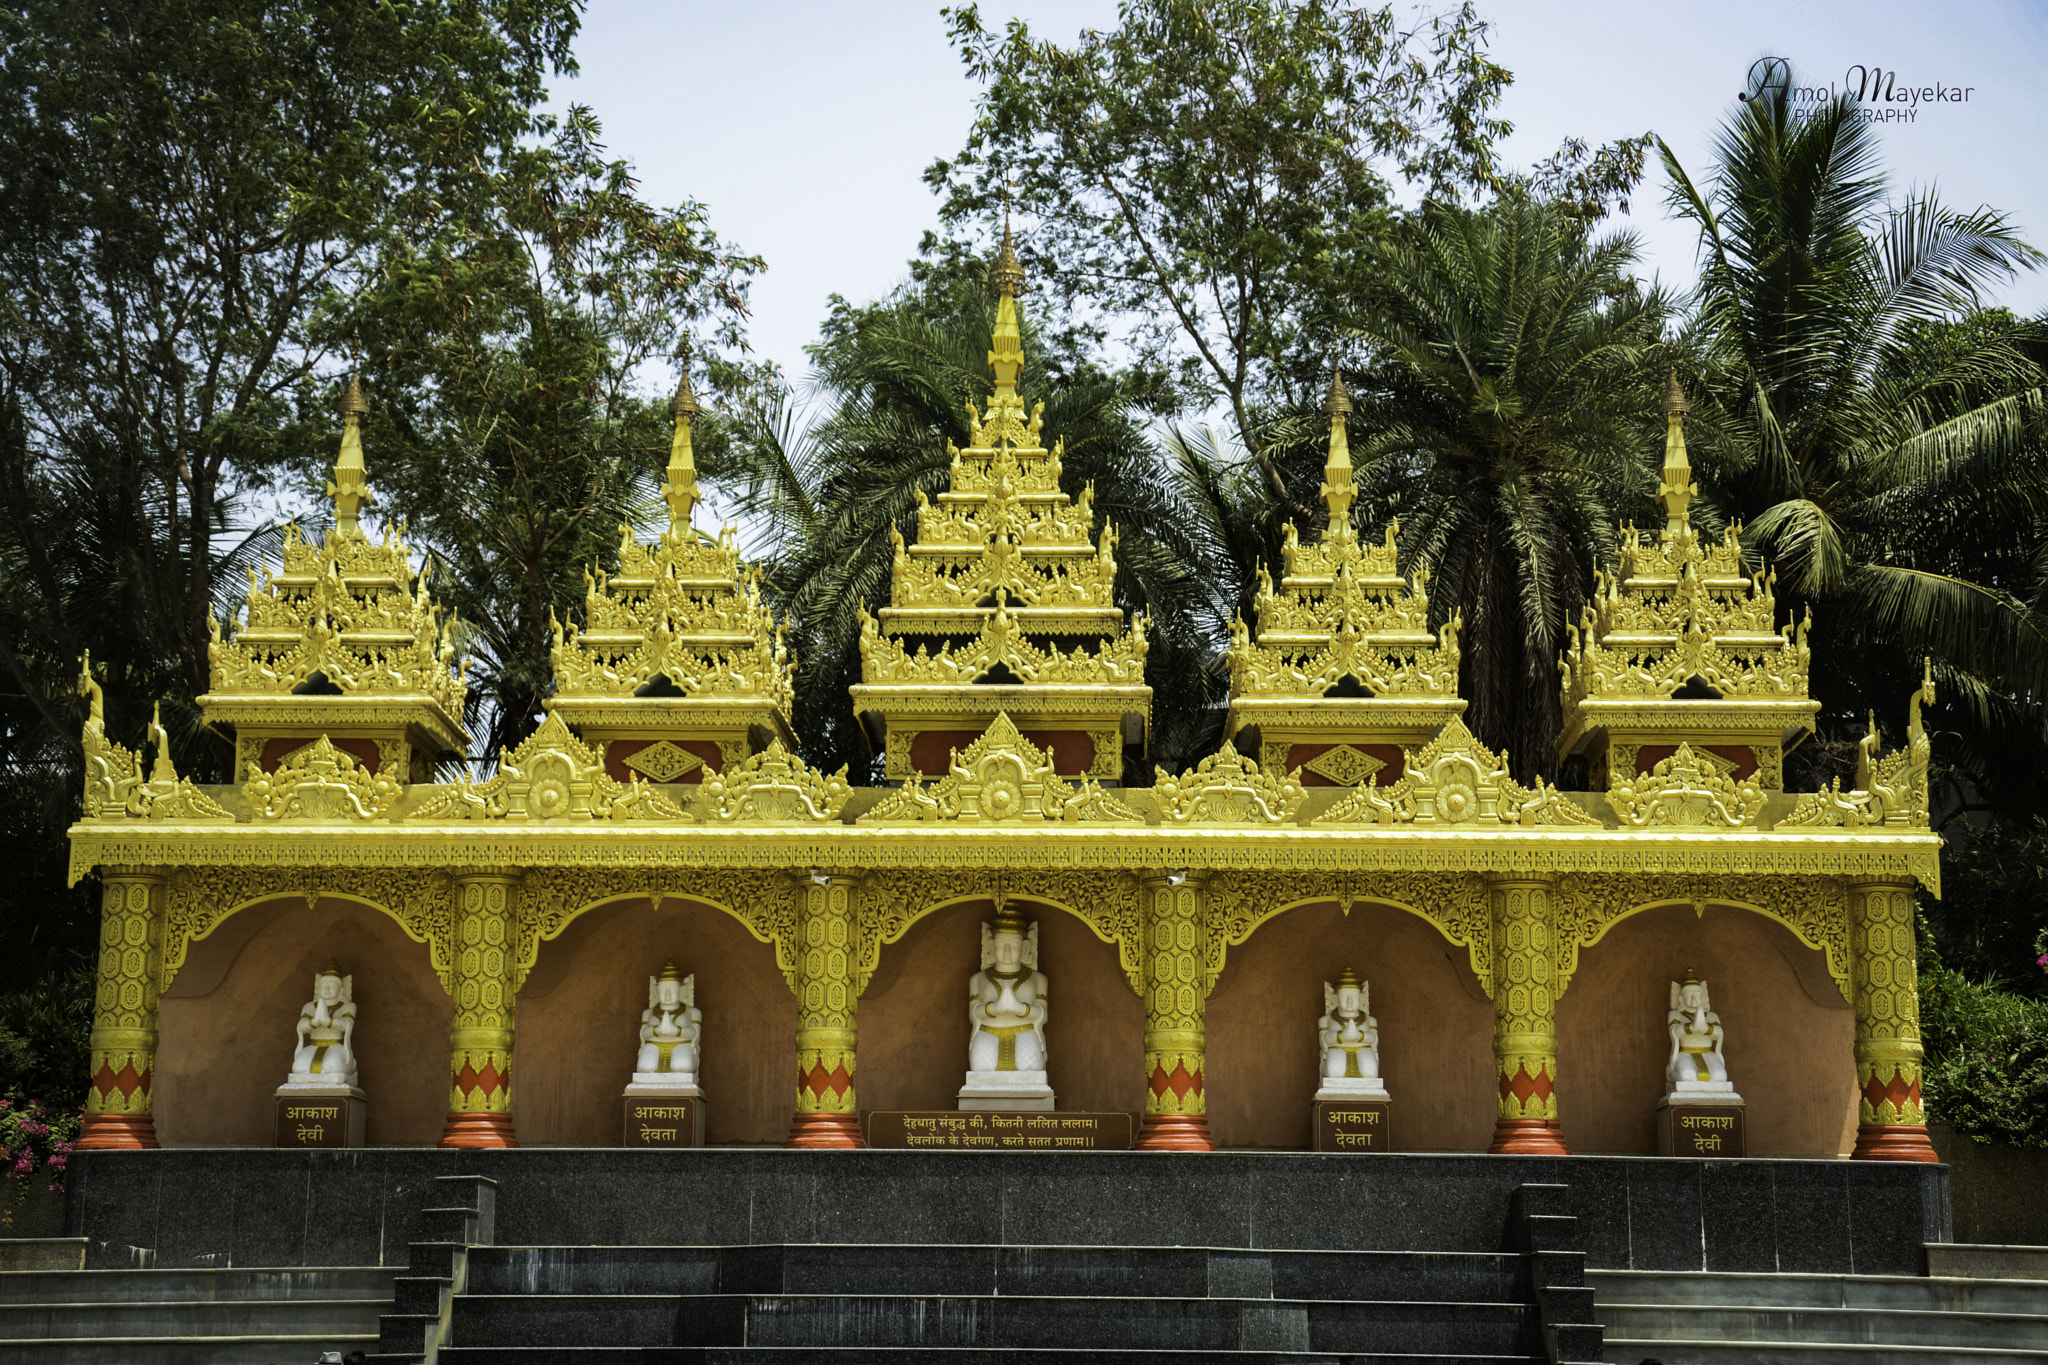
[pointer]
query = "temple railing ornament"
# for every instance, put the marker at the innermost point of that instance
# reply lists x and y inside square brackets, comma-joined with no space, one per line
[1890,790]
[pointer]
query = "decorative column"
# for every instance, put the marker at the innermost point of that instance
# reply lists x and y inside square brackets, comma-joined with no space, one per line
[827,930]
[480,1044]
[1892,1125]
[117,1107]
[1176,1109]
[1524,1016]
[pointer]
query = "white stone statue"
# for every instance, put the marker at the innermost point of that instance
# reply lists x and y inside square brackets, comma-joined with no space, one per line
[1006,1006]
[1348,1041]
[1697,1066]
[326,1055]
[671,1030]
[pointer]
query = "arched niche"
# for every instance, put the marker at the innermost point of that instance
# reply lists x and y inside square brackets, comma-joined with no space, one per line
[1790,1033]
[913,1015]
[226,1023]
[576,1027]
[1436,1028]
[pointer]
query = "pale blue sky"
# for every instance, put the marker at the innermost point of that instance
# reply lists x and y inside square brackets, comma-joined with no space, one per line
[804,125]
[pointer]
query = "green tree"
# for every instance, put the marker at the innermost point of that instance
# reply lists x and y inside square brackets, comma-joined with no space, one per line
[504,343]
[1505,421]
[1888,465]
[1208,176]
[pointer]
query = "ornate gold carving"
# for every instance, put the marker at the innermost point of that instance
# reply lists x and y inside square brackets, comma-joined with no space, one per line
[1001,644]
[1454,902]
[1227,789]
[552,898]
[202,898]
[898,764]
[1414,670]
[662,761]
[318,783]
[551,776]
[114,785]
[1685,790]
[1001,777]
[1890,790]
[1454,780]
[1344,765]
[774,787]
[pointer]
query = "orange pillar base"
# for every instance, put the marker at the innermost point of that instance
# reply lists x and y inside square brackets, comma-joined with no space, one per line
[1527,1137]
[824,1131]
[1174,1133]
[116,1133]
[1893,1142]
[479,1131]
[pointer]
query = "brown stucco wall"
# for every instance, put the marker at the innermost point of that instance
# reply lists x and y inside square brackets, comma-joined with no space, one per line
[913,1017]
[1790,1033]
[227,1024]
[1436,1029]
[579,1020]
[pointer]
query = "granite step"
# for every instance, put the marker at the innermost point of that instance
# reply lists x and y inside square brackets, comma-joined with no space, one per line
[264,1284]
[1653,1351]
[898,1321]
[217,1350]
[1116,1272]
[1987,1261]
[1885,1327]
[936,1355]
[1944,1294]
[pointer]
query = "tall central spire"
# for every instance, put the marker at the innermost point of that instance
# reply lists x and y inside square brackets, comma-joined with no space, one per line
[1006,356]
[1677,490]
[350,487]
[680,489]
[1338,490]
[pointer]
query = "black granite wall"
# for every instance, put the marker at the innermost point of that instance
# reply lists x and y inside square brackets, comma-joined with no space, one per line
[259,1207]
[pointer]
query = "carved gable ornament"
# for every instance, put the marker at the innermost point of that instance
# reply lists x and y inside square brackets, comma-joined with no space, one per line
[1002,777]
[318,783]
[114,786]
[1891,789]
[1685,790]
[1228,788]
[1454,780]
[774,787]
[551,776]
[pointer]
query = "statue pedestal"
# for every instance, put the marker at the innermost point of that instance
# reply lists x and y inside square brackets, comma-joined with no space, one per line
[1006,1090]
[1353,1123]
[663,1115]
[320,1116]
[1700,1125]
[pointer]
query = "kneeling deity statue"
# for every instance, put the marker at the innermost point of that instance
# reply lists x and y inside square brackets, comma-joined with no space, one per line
[1696,1066]
[1348,1041]
[325,1057]
[1006,1008]
[670,1030]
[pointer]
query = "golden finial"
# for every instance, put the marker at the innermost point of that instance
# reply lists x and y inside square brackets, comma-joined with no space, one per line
[1347,980]
[1339,403]
[333,967]
[350,487]
[1676,492]
[1006,352]
[1674,396]
[1007,274]
[680,488]
[670,973]
[1338,491]
[1690,979]
[1010,920]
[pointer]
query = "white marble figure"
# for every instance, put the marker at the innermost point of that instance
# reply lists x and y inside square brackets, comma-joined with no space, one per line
[1697,1066]
[1348,1041]
[671,1031]
[326,1055]
[1006,1007]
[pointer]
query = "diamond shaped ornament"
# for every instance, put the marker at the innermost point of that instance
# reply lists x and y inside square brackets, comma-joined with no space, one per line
[662,762]
[1344,765]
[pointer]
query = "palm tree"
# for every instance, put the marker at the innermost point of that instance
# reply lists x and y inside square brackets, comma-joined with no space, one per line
[893,379]
[1880,437]
[1504,421]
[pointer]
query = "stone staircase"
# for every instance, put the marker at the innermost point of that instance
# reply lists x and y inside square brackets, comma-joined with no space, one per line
[985,1304]
[189,1317]
[1698,1318]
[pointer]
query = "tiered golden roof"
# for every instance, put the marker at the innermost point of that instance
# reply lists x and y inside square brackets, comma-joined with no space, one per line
[344,642]
[678,666]
[1345,670]
[1004,603]
[1681,646]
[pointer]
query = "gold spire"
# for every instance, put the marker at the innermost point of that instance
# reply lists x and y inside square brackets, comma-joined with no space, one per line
[1337,490]
[1677,490]
[349,488]
[670,972]
[1010,920]
[1347,979]
[1007,355]
[680,491]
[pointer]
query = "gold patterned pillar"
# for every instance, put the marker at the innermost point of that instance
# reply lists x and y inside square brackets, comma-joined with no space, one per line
[1171,920]
[827,929]
[480,1044]
[1892,1125]
[1524,1016]
[117,1107]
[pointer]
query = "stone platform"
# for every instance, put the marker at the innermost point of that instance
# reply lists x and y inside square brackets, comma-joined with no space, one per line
[264,1207]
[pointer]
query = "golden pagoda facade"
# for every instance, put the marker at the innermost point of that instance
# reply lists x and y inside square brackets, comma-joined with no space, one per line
[341,649]
[1344,674]
[678,669]
[1681,646]
[1005,603]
